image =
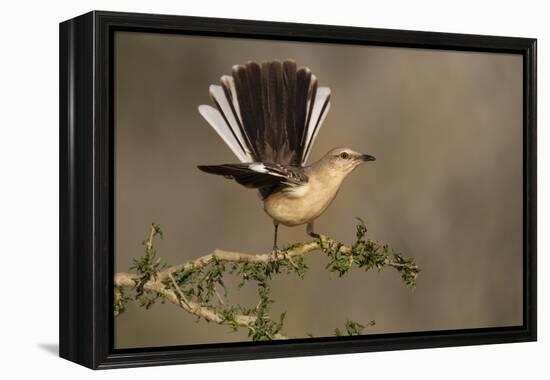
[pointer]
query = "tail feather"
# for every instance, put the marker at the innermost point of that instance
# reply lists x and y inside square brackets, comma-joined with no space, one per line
[303,100]
[230,91]
[228,85]
[248,86]
[270,112]
[318,113]
[216,120]
[218,96]
[289,104]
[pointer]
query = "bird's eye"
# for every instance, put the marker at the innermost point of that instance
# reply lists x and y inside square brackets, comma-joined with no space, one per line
[344,155]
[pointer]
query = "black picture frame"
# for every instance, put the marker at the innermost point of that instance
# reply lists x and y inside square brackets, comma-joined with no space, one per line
[86,189]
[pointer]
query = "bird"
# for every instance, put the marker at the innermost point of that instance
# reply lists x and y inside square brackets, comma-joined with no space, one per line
[269,115]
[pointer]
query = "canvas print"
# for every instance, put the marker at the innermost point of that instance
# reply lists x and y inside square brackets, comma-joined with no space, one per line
[269,190]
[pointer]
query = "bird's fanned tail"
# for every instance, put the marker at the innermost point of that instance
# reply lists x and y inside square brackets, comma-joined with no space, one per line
[269,112]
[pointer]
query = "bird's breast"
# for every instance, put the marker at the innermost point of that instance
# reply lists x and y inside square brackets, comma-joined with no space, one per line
[301,204]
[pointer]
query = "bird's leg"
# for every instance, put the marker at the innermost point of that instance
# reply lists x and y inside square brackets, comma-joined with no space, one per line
[309,229]
[275,248]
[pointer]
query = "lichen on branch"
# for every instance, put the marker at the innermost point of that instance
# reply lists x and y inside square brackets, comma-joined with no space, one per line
[198,287]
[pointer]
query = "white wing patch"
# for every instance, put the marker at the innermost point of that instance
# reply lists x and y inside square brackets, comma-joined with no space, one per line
[260,168]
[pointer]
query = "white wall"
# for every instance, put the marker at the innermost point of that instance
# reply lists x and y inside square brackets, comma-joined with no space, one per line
[29,186]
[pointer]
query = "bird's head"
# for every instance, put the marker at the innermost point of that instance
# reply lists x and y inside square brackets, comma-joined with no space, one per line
[345,160]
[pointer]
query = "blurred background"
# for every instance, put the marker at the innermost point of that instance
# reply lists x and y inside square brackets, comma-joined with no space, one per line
[446,189]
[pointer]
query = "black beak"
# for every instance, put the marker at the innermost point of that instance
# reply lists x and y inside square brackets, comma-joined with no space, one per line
[366,157]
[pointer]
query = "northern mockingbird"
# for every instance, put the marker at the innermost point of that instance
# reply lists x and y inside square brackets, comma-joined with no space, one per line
[269,115]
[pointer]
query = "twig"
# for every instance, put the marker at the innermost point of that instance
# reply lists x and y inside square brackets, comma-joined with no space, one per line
[149,241]
[218,296]
[175,297]
[178,289]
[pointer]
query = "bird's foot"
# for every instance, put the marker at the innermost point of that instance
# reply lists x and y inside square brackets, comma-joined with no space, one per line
[279,254]
[314,235]
[310,231]
[276,252]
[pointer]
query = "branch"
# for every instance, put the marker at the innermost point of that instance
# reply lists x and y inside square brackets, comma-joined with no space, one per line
[128,280]
[323,243]
[301,250]
[191,285]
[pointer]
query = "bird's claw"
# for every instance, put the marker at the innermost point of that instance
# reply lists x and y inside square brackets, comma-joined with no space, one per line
[314,235]
[276,252]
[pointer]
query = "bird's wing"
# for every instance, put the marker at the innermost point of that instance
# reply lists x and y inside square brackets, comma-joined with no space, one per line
[269,112]
[259,175]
